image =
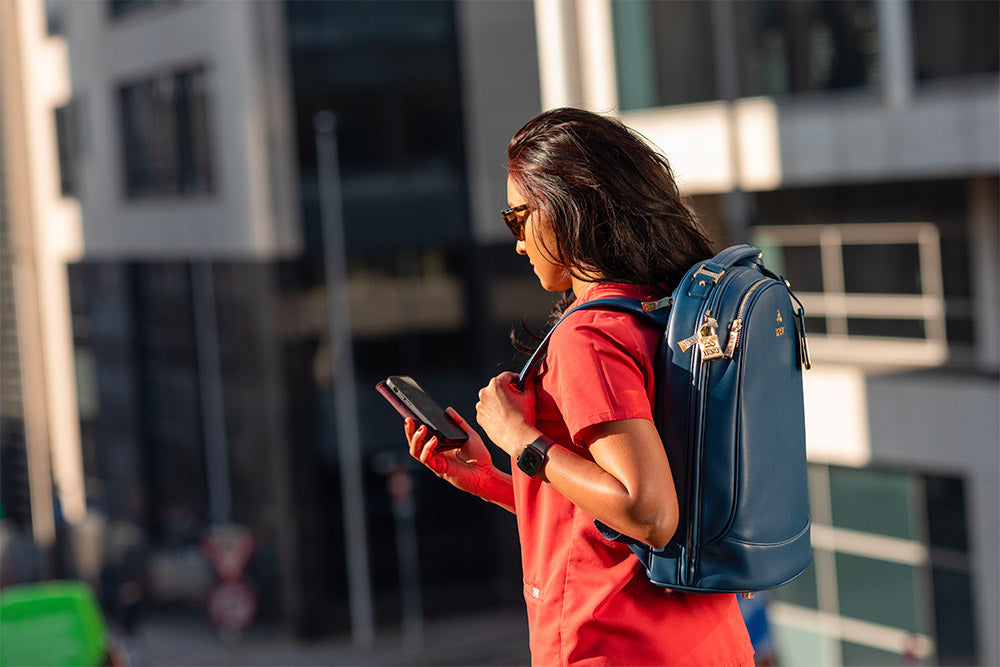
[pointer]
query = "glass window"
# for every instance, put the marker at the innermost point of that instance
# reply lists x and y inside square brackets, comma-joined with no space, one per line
[121,7]
[883,261]
[880,592]
[68,147]
[390,70]
[801,590]
[171,402]
[664,52]
[797,46]
[953,617]
[801,264]
[798,647]
[883,268]
[165,135]
[886,328]
[872,501]
[929,597]
[946,513]
[955,37]
[55,16]
[957,285]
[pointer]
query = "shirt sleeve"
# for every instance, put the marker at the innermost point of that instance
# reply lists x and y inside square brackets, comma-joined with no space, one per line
[598,370]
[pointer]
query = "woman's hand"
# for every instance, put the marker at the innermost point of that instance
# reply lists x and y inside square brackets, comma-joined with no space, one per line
[506,414]
[466,467]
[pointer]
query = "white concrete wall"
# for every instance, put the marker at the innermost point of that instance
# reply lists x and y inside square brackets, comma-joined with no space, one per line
[252,210]
[946,132]
[57,241]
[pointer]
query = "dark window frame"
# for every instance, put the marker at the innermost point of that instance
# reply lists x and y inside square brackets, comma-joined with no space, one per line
[166,127]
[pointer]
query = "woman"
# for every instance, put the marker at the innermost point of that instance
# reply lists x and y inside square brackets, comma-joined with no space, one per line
[598,214]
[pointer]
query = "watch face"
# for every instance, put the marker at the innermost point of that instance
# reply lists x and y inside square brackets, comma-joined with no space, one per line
[530,461]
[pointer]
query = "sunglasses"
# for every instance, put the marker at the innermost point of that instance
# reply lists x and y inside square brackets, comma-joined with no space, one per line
[515,223]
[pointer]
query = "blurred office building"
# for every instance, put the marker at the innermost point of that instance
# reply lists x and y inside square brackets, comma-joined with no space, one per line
[174,364]
[173,225]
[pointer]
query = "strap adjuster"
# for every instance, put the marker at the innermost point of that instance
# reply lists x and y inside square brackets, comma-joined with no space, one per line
[715,275]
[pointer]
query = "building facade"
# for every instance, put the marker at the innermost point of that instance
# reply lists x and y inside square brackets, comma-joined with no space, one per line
[203,354]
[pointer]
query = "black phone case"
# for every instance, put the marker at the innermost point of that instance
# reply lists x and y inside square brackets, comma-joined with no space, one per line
[410,400]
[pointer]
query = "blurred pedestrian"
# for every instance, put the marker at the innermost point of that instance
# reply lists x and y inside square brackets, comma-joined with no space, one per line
[597,212]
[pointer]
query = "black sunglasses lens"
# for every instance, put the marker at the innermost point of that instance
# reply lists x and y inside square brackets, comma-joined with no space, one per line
[514,224]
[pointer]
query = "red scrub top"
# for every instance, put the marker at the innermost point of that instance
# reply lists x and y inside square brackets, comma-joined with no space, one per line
[589,601]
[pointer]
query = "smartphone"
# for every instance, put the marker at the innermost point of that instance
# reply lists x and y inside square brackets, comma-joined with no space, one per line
[410,400]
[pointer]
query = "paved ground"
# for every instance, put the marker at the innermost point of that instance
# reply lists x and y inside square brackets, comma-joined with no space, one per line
[489,638]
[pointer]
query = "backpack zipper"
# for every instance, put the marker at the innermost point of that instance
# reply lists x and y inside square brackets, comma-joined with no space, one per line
[706,338]
[736,326]
[708,343]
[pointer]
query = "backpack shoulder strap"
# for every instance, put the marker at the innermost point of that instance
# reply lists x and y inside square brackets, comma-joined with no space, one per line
[657,314]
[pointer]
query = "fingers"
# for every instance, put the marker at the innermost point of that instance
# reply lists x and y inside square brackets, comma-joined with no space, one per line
[421,449]
[507,377]
[427,453]
[415,435]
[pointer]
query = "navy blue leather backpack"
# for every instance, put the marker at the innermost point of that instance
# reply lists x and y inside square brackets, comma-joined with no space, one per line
[729,410]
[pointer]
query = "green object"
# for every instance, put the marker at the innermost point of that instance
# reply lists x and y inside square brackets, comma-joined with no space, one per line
[55,623]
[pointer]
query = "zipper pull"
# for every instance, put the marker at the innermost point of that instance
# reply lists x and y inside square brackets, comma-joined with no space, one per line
[800,329]
[734,337]
[687,342]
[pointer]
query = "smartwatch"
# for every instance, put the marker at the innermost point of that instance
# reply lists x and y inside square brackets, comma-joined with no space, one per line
[533,456]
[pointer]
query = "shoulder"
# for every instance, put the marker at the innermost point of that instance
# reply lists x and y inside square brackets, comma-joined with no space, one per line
[607,323]
[598,327]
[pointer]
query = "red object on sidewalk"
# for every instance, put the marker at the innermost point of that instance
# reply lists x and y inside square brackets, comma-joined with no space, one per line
[232,606]
[228,550]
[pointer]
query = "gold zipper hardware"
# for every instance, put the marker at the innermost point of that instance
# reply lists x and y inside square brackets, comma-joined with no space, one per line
[687,342]
[650,306]
[734,337]
[736,326]
[706,338]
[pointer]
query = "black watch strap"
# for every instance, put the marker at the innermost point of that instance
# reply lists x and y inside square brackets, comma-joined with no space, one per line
[533,456]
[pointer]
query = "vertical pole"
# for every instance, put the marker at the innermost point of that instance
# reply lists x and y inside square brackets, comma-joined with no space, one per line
[213,408]
[345,392]
[400,485]
[736,202]
[895,52]
[558,55]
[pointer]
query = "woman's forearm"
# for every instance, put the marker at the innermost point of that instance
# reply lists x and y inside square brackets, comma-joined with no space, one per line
[497,488]
[626,485]
[604,497]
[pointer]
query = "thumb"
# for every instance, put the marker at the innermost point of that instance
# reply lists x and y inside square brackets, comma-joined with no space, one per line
[453,413]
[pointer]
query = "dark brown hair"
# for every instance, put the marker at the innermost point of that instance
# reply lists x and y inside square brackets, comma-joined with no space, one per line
[610,198]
